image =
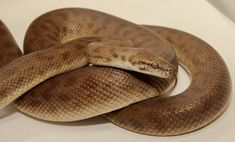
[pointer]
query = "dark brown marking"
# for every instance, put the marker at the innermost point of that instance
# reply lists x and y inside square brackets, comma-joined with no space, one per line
[65,55]
[46,95]
[97,30]
[50,22]
[96,50]
[113,53]
[132,61]
[35,103]
[90,25]
[142,68]
[67,30]
[108,59]
[123,58]
[135,123]
[9,44]
[20,79]
[52,37]
[3,93]
[64,98]
[3,32]
[44,27]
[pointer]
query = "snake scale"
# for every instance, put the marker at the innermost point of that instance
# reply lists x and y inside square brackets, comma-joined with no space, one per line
[80,63]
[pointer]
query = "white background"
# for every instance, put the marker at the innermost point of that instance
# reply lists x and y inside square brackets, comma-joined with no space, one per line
[198,17]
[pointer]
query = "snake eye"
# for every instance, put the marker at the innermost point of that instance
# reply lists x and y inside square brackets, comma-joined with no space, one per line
[154,65]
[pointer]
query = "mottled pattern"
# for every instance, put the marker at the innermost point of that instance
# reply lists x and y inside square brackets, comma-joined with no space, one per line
[9,49]
[204,100]
[73,95]
[69,44]
[92,90]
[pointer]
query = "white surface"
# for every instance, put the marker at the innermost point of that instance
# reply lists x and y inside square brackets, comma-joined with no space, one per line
[194,16]
[227,7]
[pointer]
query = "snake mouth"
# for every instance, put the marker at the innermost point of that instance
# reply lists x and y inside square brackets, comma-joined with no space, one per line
[160,69]
[161,73]
[165,69]
[169,72]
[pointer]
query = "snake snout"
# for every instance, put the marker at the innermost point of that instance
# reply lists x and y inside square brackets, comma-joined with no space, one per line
[167,69]
[147,63]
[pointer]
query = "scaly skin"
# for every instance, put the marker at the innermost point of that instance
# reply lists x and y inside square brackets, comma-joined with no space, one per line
[87,92]
[66,54]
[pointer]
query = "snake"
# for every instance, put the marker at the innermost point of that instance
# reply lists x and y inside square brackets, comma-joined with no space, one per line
[80,63]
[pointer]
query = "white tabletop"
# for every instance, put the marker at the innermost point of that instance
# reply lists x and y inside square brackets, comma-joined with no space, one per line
[198,17]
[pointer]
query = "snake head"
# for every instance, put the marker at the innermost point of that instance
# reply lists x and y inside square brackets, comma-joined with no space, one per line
[149,64]
[121,55]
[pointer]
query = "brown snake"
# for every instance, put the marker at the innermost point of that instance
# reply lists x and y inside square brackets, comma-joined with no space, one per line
[67,39]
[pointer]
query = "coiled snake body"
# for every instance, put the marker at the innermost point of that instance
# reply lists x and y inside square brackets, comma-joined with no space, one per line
[141,66]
